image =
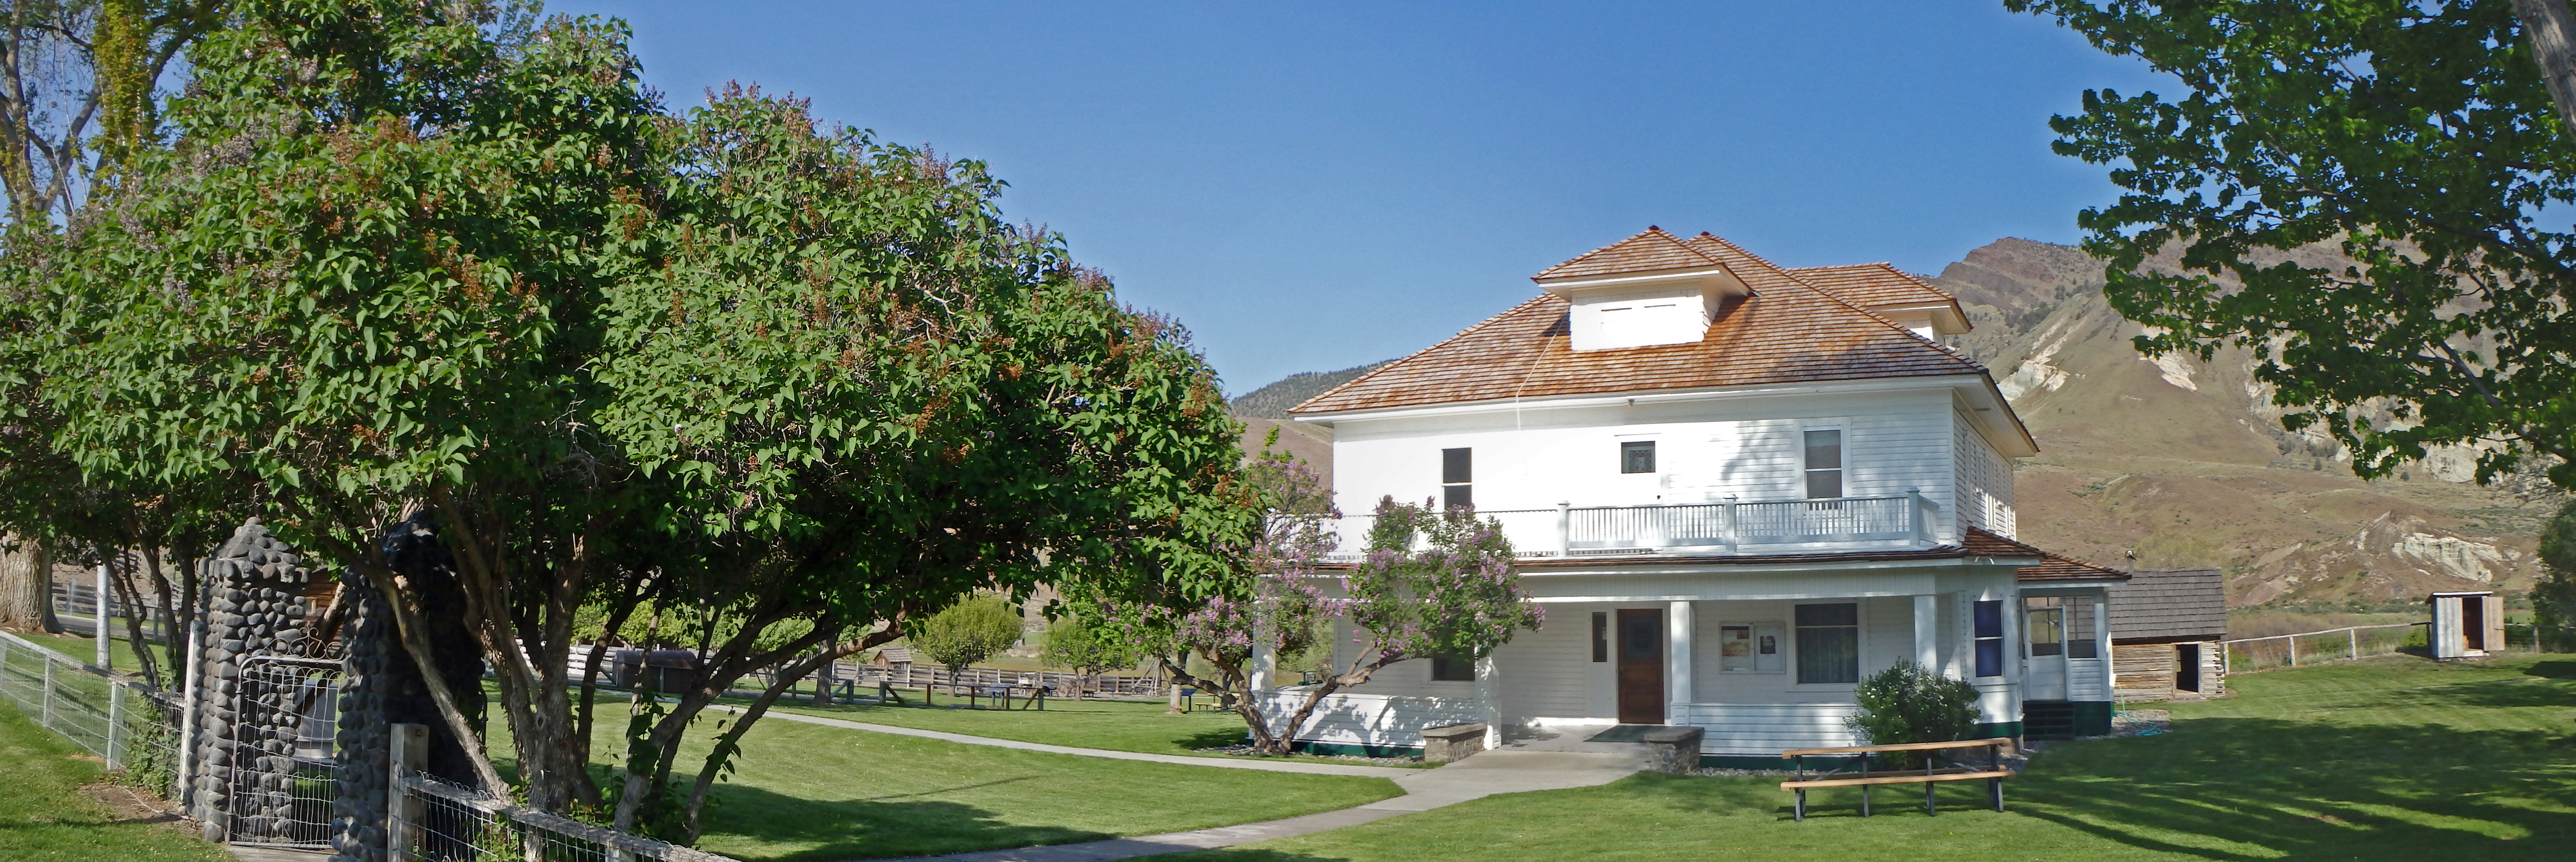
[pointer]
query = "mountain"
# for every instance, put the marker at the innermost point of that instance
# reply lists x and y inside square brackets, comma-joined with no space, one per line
[2186,464]
[1266,409]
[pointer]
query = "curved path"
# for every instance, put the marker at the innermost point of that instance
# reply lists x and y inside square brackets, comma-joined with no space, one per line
[1512,769]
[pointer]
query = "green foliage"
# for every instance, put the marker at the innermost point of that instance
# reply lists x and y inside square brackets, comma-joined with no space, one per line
[967,632]
[1088,646]
[1910,703]
[1459,595]
[2553,599]
[2415,139]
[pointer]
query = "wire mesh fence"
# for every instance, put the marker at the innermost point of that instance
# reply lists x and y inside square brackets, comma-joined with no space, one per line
[284,774]
[129,726]
[2249,655]
[436,820]
[2538,638]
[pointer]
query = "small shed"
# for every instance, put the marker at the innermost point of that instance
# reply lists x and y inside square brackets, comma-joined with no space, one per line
[2166,625]
[893,663]
[2467,625]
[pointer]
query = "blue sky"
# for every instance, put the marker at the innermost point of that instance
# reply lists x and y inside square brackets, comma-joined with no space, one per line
[1311,187]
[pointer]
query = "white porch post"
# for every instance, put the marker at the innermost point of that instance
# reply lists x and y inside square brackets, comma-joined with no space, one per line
[1264,663]
[1677,658]
[1927,635]
[2102,642]
[1489,690]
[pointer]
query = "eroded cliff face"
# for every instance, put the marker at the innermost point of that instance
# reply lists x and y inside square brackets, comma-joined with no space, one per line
[2186,463]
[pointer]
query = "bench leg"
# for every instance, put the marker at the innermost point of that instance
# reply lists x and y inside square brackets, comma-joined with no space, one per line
[1929,808]
[1800,814]
[1995,789]
[1864,800]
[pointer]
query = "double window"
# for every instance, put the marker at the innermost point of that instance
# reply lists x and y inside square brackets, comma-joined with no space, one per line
[1824,465]
[1457,475]
[2061,625]
[1829,643]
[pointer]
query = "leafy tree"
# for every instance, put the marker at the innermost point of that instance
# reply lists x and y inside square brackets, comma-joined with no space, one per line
[1087,646]
[967,632]
[1908,703]
[2416,139]
[1459,596]
[2553,600]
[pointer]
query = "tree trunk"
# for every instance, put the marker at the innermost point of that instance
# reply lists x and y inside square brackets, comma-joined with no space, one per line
[2551,31]
[27,587]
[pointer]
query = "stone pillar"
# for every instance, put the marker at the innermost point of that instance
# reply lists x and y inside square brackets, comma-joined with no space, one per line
[257,608]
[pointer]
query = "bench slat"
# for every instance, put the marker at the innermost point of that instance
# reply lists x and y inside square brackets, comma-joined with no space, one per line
[1909,746]
[1917,778]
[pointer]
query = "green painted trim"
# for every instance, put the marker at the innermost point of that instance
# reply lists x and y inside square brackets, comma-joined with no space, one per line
[2092,717]
[1360,750]
[1991,730]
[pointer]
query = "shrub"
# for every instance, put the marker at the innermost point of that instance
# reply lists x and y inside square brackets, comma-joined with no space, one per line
[1908,703]
[967,632]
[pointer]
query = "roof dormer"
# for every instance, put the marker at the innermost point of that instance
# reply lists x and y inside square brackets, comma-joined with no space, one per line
[1648,289]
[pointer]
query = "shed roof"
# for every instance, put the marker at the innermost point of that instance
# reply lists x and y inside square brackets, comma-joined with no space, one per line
[2169,605]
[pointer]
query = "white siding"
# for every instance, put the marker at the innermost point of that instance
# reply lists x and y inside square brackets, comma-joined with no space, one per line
[1548,673]
[1367,719]
[2088,679]
[1409,678]
[1769,728]
[1749,448]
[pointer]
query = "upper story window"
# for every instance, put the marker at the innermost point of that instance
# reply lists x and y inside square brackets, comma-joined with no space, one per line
[1824,465]
[1637,456]
[1457,475]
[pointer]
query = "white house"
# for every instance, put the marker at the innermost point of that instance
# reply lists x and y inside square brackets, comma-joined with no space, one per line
[1737,490]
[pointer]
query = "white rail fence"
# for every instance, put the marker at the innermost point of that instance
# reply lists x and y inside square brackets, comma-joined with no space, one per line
[1696,528]
[2247,655]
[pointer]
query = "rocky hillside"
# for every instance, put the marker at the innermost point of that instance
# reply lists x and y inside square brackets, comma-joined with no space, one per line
[1266,408]
[2185,464]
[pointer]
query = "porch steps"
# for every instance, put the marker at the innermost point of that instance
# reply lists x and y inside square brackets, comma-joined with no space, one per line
[2048,719]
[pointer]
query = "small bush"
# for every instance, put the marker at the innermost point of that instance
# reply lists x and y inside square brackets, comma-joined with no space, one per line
[1908,703]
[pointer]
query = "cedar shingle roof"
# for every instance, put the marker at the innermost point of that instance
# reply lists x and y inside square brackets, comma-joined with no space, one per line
[1650,250]
[2056,568]
[2169,605]
[1786,332]
[1870,285]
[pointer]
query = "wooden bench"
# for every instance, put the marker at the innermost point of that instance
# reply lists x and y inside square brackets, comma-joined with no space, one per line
[1930,777]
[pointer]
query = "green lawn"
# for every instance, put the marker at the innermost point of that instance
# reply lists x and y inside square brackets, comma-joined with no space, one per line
[821,793]
[1118,725]
[2395,758]
[43,814]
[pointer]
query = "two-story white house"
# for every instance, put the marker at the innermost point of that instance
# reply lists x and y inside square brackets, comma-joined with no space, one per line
[1737,490]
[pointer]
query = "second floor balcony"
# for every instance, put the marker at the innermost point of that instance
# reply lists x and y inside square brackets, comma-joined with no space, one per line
[1904,522]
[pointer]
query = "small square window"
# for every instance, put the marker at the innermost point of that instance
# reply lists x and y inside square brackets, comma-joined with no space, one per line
[1457,465]
[1637,456]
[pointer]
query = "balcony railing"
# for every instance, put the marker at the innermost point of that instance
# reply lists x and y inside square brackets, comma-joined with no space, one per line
[1706,528]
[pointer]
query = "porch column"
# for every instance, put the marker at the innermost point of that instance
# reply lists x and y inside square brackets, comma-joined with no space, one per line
[1264,663]
[1489,690]
[1927,635]
[1677,658]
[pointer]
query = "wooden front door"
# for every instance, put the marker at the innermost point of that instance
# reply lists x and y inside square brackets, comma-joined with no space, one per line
[2187,667]
[1641,666]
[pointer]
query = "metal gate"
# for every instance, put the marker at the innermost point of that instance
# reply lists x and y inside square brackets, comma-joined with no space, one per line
[284,775]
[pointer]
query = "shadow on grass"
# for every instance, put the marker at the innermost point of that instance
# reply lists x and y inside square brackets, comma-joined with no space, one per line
[2248,789]
[864,829]
[2552,669]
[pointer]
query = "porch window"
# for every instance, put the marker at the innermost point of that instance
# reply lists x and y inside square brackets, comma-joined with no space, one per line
[1824,465]
[1600,636]
[1829,643]
[2062,625]
[1990,638]
[1457,470]
[1453,668]
[1751,648]
[1637,456]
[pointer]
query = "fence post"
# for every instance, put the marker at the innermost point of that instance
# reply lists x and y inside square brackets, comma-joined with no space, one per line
[115,721]
[404,809]
[2355,633]
[2293,641]
[99,604]
[48,720]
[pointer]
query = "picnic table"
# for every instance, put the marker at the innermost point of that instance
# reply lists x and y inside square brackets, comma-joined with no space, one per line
[1931,775]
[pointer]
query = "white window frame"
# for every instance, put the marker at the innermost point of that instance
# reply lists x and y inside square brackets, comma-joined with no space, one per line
[1843,445]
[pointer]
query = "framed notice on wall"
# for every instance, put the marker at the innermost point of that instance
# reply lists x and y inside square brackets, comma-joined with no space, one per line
[1751,648]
